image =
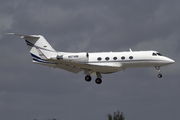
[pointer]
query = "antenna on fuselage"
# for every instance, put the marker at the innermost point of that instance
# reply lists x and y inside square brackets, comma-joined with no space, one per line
[130,50]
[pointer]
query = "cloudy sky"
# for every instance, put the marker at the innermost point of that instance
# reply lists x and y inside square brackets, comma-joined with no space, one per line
[29,91]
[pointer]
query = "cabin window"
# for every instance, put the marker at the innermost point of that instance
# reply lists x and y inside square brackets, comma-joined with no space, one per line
[131,57]
[115,58]
[107,58]
[99,58]
[122,57]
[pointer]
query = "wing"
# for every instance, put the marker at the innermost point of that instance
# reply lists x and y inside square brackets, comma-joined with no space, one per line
[69,68]
[75,67]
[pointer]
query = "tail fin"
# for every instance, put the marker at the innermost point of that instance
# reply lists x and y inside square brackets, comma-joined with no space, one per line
[40,49]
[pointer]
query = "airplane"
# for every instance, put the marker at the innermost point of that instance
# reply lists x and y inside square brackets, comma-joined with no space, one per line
[92,63]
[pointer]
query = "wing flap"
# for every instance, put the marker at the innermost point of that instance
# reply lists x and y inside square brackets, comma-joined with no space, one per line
[94,67]
[69,68]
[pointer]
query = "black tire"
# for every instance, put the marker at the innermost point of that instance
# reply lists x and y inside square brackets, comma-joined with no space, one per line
[160,75]
[98,81]
[88,78]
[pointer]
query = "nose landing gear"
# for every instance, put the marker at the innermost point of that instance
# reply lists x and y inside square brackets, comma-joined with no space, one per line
[159,72]
[160,75]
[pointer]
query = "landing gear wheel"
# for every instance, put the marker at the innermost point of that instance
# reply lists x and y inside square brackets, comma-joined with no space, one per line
[160,75]
[98,81]
[158,70]
[88,78]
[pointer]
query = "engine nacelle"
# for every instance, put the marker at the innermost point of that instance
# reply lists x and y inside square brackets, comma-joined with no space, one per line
[74,57]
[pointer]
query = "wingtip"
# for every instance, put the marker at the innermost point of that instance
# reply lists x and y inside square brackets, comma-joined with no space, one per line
[10,33]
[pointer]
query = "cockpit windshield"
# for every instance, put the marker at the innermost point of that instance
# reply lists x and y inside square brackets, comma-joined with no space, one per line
[157,54]
[154,54]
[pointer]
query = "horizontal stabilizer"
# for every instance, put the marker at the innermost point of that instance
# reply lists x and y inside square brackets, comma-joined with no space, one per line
[24,36]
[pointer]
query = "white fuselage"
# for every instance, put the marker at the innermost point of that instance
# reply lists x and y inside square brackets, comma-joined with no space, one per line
[109,62]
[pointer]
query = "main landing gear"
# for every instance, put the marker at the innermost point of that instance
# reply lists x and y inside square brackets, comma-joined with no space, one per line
[158,70]
[88,78]
[98,79]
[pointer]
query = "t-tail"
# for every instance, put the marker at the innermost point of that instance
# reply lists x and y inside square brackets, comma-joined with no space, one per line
[40,49]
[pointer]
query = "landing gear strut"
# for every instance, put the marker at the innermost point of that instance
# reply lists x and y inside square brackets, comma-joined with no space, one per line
[159,74]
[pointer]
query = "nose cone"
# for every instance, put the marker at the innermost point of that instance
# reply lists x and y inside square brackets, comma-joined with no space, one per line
[172,61]
[169,61]
[163,61]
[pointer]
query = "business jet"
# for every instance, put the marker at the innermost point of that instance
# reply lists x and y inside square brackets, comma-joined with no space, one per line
[92,63]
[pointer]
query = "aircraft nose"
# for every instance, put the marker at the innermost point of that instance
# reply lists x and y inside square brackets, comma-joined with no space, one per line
[170,61]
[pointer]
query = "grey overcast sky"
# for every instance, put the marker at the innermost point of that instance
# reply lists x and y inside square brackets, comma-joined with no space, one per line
[29,91]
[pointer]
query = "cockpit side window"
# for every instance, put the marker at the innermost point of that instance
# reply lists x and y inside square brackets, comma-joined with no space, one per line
[159,54]
[154,54]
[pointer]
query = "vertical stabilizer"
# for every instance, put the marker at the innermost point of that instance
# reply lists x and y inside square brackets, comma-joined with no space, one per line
[40,49]
[39,46]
